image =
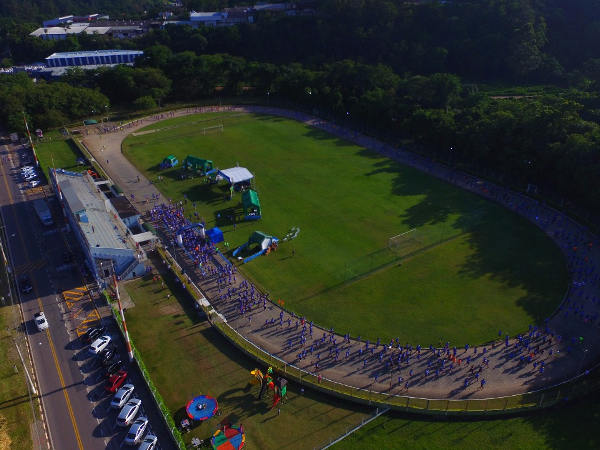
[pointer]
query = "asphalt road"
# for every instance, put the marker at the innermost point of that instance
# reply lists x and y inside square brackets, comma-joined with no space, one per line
[70,383]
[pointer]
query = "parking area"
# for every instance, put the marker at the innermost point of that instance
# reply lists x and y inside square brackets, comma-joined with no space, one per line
[122,405]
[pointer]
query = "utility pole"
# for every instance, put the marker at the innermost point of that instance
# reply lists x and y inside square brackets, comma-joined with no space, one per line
[127,341]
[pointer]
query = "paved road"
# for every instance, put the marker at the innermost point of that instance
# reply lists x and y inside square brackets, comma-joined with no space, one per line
[70,383]
[554,345]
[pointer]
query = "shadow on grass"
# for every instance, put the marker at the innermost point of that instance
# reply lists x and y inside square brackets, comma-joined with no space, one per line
[522,257]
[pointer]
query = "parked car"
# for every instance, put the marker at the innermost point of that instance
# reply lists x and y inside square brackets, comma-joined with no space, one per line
[93,333]
[150,442]
[30,176]
[116,381]
[105,358]
[34,183]
[99,344]
[40,321]
[114,367]
[129,411]
[68,257]
[122,396]
[137,431]
[26,286]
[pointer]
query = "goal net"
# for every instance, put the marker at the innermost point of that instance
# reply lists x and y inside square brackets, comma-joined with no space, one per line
[212,129]
[405,240]
[532,189]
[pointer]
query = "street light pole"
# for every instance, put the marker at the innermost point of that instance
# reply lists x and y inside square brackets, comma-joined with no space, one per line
[268,99]
[31,385]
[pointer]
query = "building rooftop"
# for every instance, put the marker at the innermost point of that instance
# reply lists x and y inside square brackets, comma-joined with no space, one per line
[124,207]
[94,53]
[99,226]
[75,28]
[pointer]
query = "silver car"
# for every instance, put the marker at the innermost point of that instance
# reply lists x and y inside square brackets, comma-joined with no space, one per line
[137,431]
[129,412]
[150,442]
[122,396]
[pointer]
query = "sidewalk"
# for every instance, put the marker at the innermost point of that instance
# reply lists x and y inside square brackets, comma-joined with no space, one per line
[362,367]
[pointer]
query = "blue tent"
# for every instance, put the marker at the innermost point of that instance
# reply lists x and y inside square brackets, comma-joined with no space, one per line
[215,235]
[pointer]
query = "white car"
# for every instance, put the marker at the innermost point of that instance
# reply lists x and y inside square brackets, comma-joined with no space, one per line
[150,442]
[40,321]
[31,177]
[122,396]
[129,412]
[99,344]
[137,431]
[34,183]
[27,169]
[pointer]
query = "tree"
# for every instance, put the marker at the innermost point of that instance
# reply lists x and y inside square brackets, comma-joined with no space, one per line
[526,45]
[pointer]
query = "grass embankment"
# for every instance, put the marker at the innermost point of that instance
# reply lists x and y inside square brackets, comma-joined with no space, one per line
[15,407]
[186,358]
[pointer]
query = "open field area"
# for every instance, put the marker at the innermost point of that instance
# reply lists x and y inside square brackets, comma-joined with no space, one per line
[565,428]
[15,408]
[186,358]
[497,272]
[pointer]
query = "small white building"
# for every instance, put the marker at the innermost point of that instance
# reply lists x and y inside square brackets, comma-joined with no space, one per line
[59,33]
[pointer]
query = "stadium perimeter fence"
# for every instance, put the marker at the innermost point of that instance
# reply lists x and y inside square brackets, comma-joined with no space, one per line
[561,392]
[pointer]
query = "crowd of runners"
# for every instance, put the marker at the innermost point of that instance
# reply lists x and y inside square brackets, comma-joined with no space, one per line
[546,353]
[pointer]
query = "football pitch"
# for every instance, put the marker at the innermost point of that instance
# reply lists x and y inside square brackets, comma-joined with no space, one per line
[492,270]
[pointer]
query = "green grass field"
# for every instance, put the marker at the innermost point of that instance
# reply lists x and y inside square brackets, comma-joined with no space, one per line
[170,335]
[16,415]
[186,357]
[499,271]
[569,427]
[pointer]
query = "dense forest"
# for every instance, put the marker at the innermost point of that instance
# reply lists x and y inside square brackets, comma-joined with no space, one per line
[417,73]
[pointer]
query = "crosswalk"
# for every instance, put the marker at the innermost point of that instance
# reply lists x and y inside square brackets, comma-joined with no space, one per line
[81,309]
[34,191]
[30,266]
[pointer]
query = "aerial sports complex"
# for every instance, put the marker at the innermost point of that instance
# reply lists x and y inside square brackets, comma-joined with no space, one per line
[346,281]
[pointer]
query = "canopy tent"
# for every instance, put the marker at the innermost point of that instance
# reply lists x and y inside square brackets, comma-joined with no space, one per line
[197,164]
[90,122]
[236,175]
[251,205]
[169,161]
[215,235]
[262,239]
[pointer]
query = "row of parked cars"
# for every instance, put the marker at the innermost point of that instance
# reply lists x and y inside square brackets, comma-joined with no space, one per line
[129,407]
[28,172]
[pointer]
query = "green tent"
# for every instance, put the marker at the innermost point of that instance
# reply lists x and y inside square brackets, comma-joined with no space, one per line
[251,205]
[170,161]
[261,239]
[197,164]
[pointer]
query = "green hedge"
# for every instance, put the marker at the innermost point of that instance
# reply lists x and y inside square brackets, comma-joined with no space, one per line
[157,397]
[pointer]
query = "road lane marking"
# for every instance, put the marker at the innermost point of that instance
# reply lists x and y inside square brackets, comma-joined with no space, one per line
[62,381]
[64,389]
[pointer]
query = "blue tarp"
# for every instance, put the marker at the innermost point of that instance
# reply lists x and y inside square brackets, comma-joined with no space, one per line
[215,235]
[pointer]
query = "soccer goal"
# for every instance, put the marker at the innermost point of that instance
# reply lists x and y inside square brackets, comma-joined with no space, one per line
[404,240]
[532,189]
[212,129]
